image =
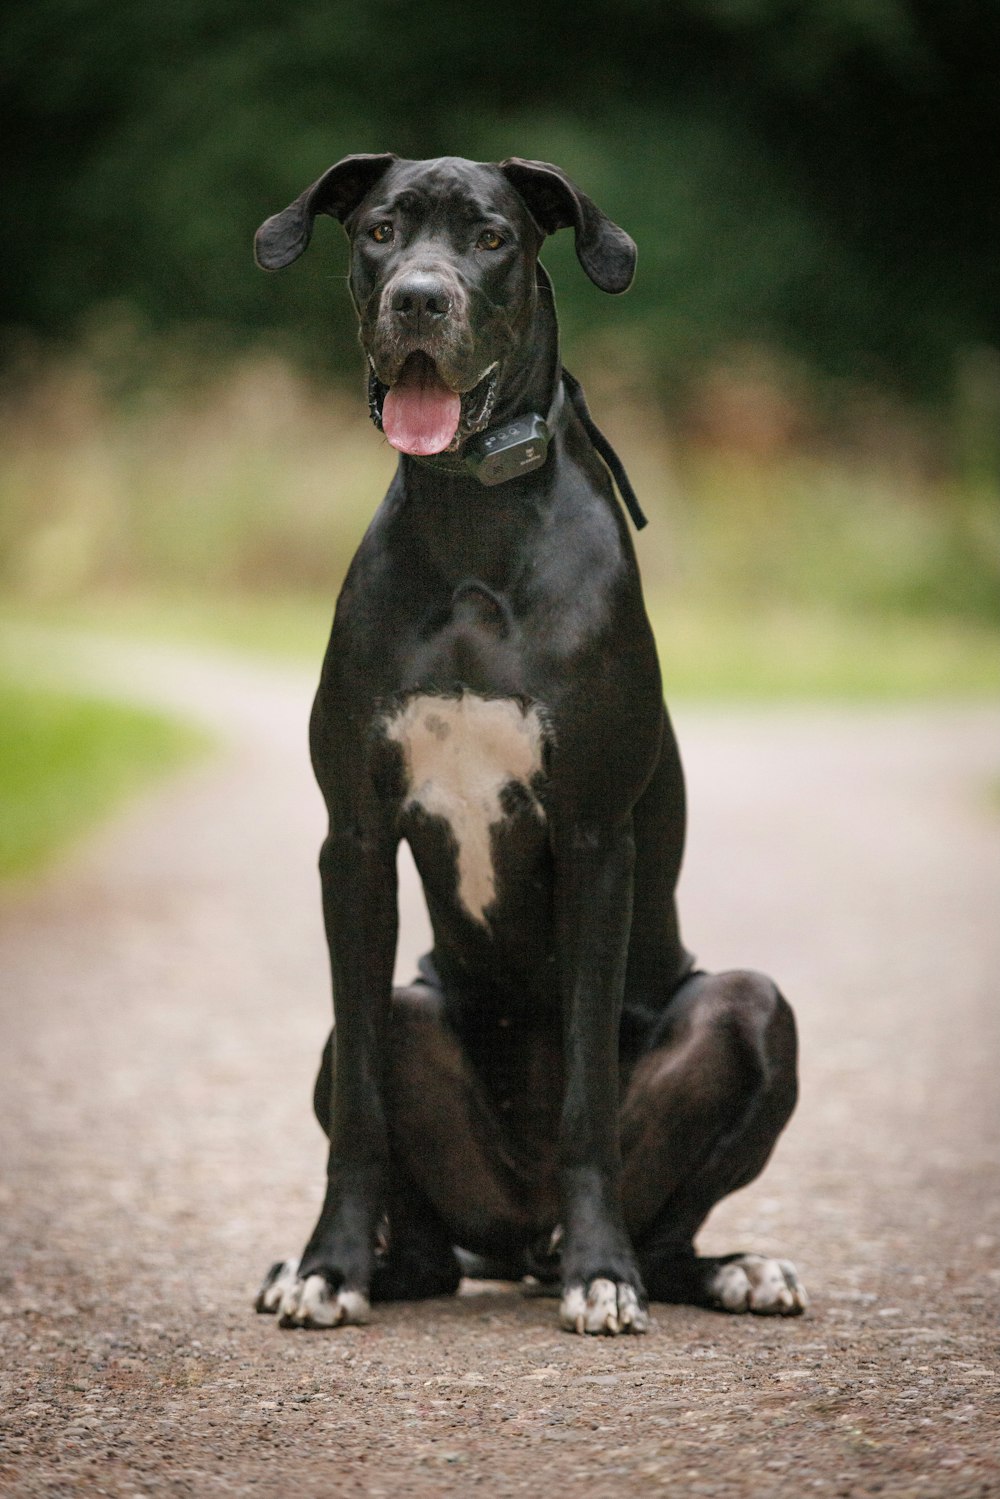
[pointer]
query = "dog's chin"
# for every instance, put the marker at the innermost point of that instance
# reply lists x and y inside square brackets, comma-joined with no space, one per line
[476,402]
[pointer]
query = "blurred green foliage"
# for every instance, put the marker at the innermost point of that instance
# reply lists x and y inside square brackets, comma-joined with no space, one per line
[253,476]
[816,175]
[814,186]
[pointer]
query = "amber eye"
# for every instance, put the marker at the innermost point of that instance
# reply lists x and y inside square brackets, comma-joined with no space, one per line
[381,233]
[490,240]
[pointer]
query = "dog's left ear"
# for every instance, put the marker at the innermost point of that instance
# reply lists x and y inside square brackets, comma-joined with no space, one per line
[606,252]
[283,237]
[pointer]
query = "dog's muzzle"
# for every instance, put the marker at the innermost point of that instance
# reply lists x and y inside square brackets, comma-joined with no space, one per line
[421,413]
[429,387]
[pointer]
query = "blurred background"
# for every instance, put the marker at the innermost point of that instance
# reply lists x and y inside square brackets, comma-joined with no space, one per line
[804,381]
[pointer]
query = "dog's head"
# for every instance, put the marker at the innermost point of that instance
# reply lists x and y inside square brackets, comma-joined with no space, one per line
[444,276]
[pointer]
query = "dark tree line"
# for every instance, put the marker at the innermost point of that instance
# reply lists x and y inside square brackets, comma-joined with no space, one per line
[817,174]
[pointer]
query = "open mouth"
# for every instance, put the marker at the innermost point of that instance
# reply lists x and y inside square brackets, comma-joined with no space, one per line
[421,415]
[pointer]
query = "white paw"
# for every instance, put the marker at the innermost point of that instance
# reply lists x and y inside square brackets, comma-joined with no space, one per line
[280,1278]
[754,1283]
[309,1302]
[603,1307]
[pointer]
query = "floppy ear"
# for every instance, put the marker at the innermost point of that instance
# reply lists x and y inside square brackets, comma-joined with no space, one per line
[606,252]
[283,237]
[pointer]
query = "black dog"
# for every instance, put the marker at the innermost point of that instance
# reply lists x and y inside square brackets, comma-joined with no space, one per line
[560,1090]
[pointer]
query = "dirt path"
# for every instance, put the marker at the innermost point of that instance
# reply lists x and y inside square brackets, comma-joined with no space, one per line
[164,998]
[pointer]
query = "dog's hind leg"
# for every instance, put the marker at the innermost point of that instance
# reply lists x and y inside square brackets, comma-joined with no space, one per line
[446,1137]
[702,1112]
[417,1260]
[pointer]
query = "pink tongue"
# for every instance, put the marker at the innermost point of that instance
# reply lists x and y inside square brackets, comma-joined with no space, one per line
[420,415]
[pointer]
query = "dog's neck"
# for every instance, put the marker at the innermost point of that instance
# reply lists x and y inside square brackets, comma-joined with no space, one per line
[472,530]
[465,530]
[534,373]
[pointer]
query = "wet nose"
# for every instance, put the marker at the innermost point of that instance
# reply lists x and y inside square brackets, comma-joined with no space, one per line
[420,297]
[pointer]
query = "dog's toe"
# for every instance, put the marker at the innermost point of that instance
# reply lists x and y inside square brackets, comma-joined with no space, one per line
[308,1302]
[279,1279]
[603,1306]
[312,1303]
[755,1283]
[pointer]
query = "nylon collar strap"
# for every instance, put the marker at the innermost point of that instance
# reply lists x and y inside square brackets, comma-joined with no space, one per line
[512,449]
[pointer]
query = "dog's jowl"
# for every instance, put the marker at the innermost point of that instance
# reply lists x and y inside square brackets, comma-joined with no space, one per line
[560,1091]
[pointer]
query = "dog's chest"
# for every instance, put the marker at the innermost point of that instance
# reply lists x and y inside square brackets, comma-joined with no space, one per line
[475,762]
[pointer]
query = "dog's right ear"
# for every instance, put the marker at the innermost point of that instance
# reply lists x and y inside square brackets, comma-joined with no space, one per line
[606,252]
[282,238]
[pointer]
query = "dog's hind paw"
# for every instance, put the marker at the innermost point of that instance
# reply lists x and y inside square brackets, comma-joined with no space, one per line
[754,1283]
[603,1306]
[309,1302]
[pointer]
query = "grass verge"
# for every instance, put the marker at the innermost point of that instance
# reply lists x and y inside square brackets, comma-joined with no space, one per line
[709,650]
[66,762]
[800,655]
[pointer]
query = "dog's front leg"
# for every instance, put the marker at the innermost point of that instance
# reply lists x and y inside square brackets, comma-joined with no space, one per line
[602,1287]
[330,1284]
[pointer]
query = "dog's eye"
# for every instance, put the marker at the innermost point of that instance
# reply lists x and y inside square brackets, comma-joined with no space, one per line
[490,240]
[381,233]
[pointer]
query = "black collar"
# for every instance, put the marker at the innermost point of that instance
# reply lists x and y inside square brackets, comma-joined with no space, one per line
[512,449]
[504,451]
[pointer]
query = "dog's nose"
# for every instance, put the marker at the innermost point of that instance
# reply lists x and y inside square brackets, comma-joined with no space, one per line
[421,296]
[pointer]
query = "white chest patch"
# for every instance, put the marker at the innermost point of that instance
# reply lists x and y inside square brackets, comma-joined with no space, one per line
[460,752]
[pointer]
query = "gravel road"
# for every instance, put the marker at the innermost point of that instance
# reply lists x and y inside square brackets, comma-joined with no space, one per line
[164,1000]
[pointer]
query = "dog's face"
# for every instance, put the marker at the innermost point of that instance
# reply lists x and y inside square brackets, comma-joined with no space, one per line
[443,268]
[444,277]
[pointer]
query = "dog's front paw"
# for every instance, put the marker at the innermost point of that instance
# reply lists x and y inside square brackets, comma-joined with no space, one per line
[603,1306]
[308,1301]
[754,1283]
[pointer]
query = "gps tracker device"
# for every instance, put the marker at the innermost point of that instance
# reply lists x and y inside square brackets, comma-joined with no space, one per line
[506,452]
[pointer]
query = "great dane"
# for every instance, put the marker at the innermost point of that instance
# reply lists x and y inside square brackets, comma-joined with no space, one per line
[560,1091]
